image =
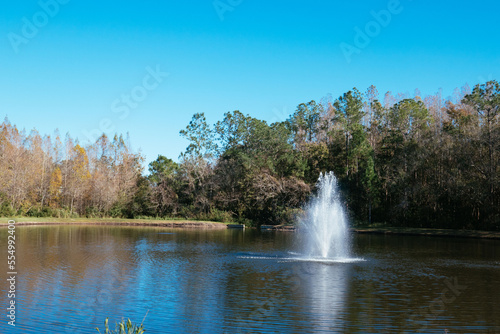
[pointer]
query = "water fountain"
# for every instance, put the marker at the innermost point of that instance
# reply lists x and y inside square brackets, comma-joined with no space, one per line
[326,226]
[324,231]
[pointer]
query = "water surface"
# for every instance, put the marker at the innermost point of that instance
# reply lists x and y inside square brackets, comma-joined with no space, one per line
[72,277]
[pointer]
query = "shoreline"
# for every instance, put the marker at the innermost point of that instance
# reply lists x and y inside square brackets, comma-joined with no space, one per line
[209,225]
[409,231]
[429,232]
[187,224]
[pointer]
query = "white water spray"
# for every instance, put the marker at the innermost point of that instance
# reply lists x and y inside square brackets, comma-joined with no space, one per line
[327,230]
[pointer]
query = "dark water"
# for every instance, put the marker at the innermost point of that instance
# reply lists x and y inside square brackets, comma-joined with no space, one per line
[70,278]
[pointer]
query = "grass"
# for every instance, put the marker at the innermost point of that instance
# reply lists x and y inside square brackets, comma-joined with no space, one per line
[124,327]
[4,220]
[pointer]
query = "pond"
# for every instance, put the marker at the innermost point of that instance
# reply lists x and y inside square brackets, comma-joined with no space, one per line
[70,278]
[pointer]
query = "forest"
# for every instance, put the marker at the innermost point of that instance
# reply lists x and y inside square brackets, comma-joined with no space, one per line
[402,160]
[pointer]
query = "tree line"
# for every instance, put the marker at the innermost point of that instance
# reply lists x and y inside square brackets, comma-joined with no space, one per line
[403,160]
[46,176]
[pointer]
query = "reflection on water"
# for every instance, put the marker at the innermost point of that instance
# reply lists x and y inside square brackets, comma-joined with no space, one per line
[326,288]
[72,277]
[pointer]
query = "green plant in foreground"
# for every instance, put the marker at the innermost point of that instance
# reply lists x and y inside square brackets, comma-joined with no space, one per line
[123,328]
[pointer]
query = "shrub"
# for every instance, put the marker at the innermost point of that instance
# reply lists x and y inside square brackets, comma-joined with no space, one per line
[117,210]
[290,216]
[217,216]
[64,213]
[186,212]
[93,212]
[38,211]
[245,221]
[6,209]
[123,328]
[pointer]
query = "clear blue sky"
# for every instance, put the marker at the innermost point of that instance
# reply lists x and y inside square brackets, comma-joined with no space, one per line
[69,67]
